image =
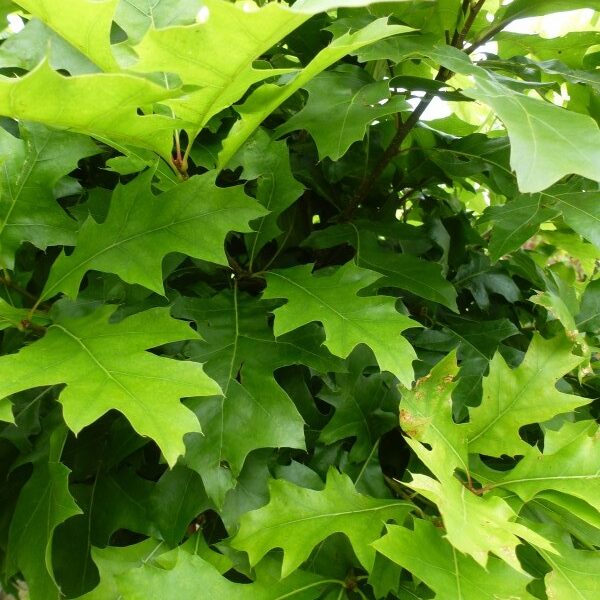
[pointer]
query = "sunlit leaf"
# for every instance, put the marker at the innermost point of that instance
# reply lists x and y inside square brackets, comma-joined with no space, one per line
[106,366]
[297,519]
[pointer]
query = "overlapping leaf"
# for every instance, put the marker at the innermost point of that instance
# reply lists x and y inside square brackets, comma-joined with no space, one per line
[580,211]
[268,161]
[588,318]
[83,23]
[12,316]
[539,133]
[450,574]
[190,573]
[486,240]
[405,271]
[349,319]
[570,464]
[31,168]
[105,367]
[104,106]
[575,573]
[515,222]
[547,141]
[513,398]
[241,354]
[142,228]
[478,341]
[263,101]
[341,105]
[426,416]
[195,53]
[476,525]
[297,519]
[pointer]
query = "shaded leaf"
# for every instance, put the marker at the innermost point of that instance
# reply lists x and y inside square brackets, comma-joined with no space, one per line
[83,23]
[589,317]
[177,499]
[481,279]
[44,503]
[31,168]
[277,189]
[135,17]
[341,105]
[405,271]
[37,41]
[515,222]
[479,340]
[241,354]
[365,407]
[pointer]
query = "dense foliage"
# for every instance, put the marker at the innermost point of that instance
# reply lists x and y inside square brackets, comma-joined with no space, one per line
[268,330]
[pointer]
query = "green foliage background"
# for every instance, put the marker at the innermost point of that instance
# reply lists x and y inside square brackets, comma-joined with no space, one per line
[267,333]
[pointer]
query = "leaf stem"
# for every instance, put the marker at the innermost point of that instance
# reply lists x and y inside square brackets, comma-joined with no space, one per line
[360,593]
[180,162]
[311,585]
[9,283]
[364,467]
[280,248]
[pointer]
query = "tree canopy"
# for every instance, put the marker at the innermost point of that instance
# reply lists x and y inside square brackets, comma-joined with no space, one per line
[300,300]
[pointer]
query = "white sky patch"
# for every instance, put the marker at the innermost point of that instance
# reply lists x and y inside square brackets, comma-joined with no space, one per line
[250,6]
[203,15]
[15,23]
[549,26]
[437,109]
[556,25]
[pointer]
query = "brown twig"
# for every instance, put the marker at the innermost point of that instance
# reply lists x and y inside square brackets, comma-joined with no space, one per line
[488,35]
[406,127]
[464,10]
[471,16]
[390,152]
